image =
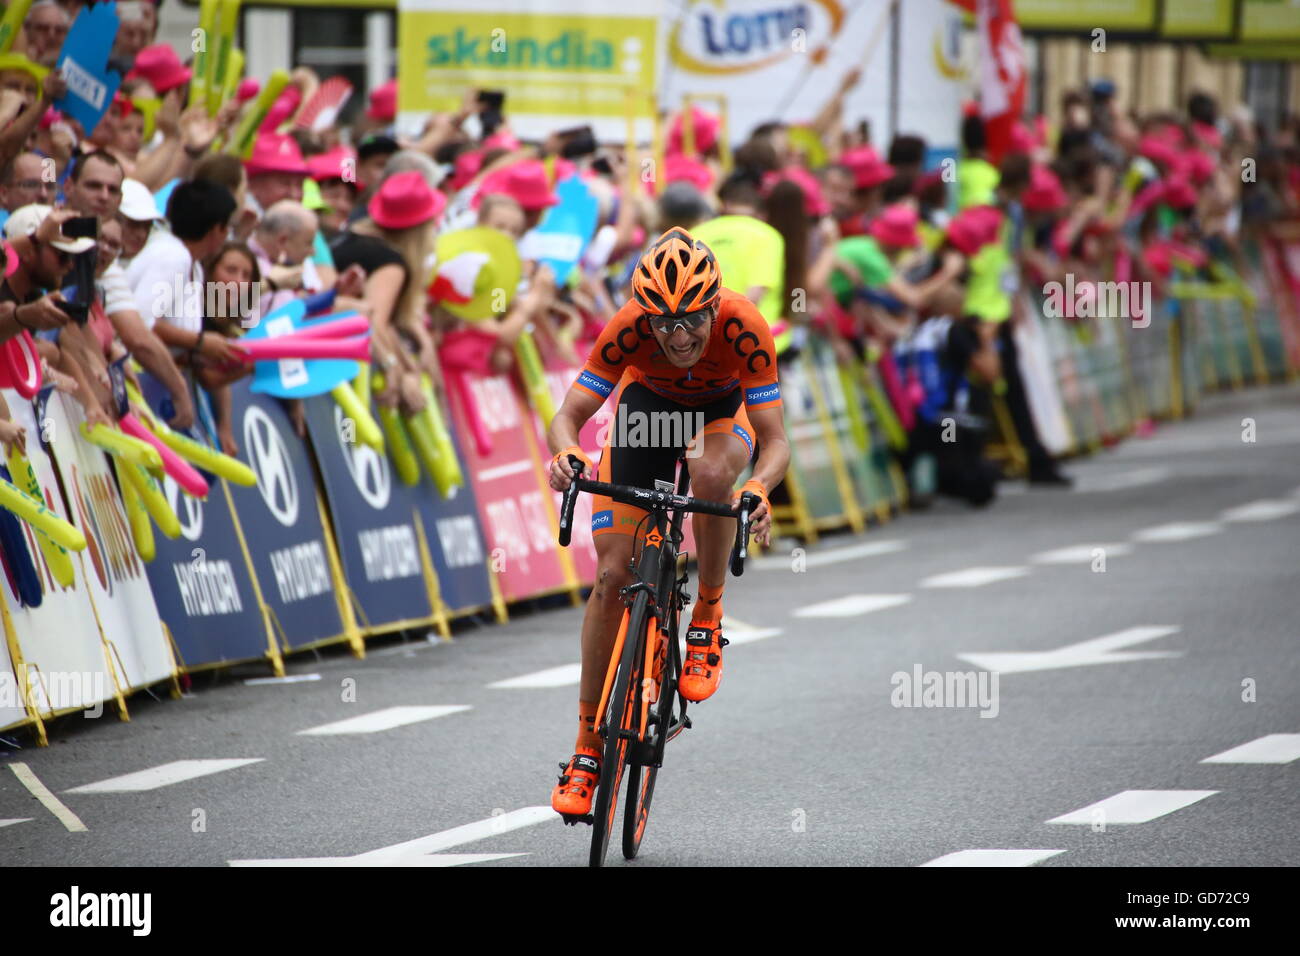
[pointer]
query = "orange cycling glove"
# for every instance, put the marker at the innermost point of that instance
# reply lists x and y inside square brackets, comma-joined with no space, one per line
[756,487]
[588,469]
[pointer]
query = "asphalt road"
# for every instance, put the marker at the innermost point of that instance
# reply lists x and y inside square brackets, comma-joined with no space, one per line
[803,757]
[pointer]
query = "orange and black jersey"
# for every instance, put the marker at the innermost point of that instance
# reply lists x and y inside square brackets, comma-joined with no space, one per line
[739,354]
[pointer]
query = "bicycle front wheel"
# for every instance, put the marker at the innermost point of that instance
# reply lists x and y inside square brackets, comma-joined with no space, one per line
[620,725]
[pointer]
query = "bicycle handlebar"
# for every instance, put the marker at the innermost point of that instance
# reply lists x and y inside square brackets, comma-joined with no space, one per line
[648,498]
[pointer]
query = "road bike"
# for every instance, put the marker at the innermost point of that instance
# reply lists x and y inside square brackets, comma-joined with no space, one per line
[640,708]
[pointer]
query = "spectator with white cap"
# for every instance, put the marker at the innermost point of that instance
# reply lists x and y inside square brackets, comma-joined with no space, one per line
[139,213]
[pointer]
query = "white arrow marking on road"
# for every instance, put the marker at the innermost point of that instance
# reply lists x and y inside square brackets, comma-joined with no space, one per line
[561,676]
[1134,806]
[1177,531]
[1098,650]
[973,577]
[1120,480]
[417,852]
[852,605]
[1080,553]
[993,858]
[813,559]
[1265,510]
[1275,748]
[385,719]
[164,775]
[9,823]
[291,679]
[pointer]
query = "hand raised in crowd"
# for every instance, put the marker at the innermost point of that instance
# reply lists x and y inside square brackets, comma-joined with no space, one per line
[54,86]
[51,227]
[11,104]
[13,435]
[44,313]
[198,130]
[96,416]
[217,348]
[168,118]
[412,393]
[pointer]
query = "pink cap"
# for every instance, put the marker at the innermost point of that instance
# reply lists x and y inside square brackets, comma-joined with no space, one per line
[501,139]
[814,202]
[705,126]
[896,226]
[466,168]
[1044,193]
[161,67]
[406,200]
[338,163]
[248,88]
[867,167]
[1197,166]
[275,153]
[973,228]
[525,182]
[1022,141]
[383,103]
[680,168]
[1158,149]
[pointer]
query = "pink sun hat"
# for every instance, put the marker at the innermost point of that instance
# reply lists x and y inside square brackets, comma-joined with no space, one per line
[867,167]
[405,200]
[525,182]
[896,226]
[161,67]
[275,153]
[383,103]
[814,201]
[706,126]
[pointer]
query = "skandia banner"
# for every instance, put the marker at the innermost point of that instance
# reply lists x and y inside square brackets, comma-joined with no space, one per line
[281,521]
[559,62]
[455,542]
[785,59]
[374,522]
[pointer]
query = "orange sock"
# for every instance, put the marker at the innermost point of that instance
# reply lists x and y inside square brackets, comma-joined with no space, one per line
[708,604]
[588,739]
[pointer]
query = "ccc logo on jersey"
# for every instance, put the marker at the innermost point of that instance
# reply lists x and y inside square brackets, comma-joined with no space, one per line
[751,354]
[626,342]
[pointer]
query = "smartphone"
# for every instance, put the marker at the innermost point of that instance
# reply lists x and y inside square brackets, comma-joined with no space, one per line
[81,227]
[577,142]
[491,117]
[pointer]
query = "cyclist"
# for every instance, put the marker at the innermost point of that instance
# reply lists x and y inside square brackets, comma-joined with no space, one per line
[682,350]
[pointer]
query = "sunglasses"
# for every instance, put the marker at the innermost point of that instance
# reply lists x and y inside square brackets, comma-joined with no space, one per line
[668,324]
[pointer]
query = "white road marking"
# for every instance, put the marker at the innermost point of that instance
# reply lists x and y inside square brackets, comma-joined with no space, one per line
[48,800]
[385,719]
[562,676]
[1081,553]
[291,679]
[502,471]
[1177,531]
[1133,806]
[9,823]
[416,852]
[1265,510]
[851,605]
[164,775]
[813,559]
[993,858]
[973,577]
[1120,480]
[1098,650]
[1275,748]
[738,632]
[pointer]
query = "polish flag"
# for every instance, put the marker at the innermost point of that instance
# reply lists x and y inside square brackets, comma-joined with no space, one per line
[1002,73]
[456,278]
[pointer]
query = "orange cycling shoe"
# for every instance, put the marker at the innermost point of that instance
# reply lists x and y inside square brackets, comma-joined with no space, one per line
[572,795]
[702,668]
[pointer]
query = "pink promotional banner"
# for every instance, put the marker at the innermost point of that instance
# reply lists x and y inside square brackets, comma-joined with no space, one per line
[519,520]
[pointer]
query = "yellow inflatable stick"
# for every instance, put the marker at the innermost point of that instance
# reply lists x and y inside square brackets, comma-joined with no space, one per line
[32,510]
[196,453]
[56,555]
[397,441]
[450,475]
[534,376]
[155,501]
[136,516]
[362,384]
[203,56]
[124,447]
[12,22]
[219,57]
[368,432]
[246,131]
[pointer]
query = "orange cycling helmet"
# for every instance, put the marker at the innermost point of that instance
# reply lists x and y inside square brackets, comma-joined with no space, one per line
[677,275]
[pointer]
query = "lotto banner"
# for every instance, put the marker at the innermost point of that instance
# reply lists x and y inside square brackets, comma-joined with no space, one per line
[784,60]
[281,521]
[117,583]
[62,662]
[374,523]
[519,520]
[560,63]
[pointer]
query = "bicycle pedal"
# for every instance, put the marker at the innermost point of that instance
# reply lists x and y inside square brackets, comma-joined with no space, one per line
[573,819]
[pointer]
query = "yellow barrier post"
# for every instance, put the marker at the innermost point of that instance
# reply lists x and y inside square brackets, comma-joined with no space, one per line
[20,673]
[431,584]
[342,593]
[268,615]
[843,483]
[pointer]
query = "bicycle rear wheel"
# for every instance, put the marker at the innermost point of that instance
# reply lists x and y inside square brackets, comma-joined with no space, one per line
[621,721]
